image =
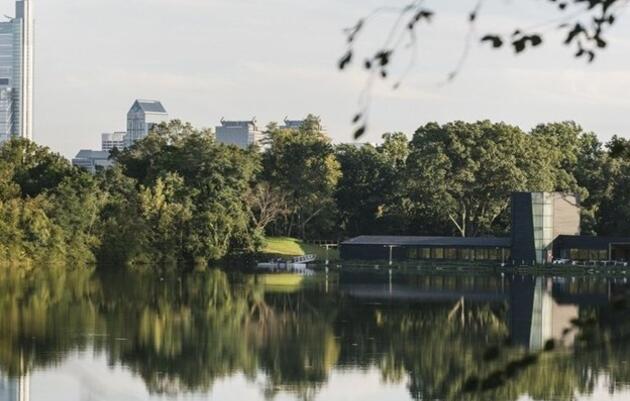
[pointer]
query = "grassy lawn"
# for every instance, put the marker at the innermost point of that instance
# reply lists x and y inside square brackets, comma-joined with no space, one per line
[285,246]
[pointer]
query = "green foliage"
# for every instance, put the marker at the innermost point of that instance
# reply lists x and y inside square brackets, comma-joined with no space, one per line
[465,172]
[48,207]
[178,198]
[301,164]
[189,206]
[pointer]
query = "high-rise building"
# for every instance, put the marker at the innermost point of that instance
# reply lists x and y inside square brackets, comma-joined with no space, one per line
[111,140]
[298,124]
[240,133]
[143,115]
[16,73]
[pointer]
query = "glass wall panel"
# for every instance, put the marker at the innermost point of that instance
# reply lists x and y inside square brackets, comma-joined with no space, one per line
[438,253]
[451,253]
[412,253]
[425,253]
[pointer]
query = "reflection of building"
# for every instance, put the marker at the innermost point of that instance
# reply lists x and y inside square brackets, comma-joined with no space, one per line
[142,117]
[240,133]
[16,73]
[92,160]
[15,389]
[545,226]
[113,140]
[549,320]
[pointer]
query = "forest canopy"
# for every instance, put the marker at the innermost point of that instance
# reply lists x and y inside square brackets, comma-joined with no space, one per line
[179,198]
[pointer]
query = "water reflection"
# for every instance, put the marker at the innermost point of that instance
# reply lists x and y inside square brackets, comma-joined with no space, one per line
[441,336]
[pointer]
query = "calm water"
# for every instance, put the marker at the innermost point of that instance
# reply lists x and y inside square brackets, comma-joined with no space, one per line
[353,336]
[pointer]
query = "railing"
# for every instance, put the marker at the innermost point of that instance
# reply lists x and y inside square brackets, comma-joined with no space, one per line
[304,259]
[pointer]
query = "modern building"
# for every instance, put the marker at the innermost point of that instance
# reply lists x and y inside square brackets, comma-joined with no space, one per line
[297,124]
[92,160]
[16,73]
[239,133]
[111,140]
[545,227]
[142,117]
[292,124]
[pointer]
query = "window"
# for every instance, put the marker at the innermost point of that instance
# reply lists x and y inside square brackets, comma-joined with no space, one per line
[412,253]
[582,254]
[494,254]
[425,253]
[438,253]
[467,254]
[481,254]
[451,253]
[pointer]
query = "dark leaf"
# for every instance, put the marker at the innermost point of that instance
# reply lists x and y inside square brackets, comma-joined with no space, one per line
[519,44]
[383,57]
[345,60]
[535,40]
[356,118]
[577,29]
[359,132]
[494,39]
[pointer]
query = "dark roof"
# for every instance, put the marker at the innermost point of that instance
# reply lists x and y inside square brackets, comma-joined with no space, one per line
[150,106]
[430,241]
[92,154]
[588,242]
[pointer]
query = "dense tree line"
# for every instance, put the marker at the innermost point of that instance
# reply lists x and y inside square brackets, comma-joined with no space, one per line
[178,197]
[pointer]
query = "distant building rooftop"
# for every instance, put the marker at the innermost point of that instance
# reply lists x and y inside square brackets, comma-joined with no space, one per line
[149,106]
[494,242]
[92,154]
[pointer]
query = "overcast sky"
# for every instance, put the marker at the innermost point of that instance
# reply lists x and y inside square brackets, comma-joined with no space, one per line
[207,59]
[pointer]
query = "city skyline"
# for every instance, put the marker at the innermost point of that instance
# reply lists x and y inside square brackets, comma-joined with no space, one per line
[199,69]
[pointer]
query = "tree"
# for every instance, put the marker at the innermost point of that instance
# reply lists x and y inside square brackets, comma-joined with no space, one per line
[208,181]
[370,195]
[301,163]
[580,164]
[48,207]
[465,172]
[265,205]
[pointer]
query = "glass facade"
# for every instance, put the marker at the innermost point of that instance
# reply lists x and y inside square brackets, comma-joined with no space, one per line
[542,213]
[16,73]
[142,117]
[464,254]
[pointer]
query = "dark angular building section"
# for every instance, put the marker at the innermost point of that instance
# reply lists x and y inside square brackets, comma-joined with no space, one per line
[524,248]
[545,227]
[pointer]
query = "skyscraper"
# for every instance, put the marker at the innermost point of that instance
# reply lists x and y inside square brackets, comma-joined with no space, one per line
[142,116]
[16,73]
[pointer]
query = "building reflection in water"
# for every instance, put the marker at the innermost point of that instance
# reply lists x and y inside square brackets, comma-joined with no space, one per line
[15,389]
[536,317]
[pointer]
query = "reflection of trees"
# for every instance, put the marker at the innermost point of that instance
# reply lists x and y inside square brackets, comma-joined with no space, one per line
[178,334]
[43,316]
[181,334]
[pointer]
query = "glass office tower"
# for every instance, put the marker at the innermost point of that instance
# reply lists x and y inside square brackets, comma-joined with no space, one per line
[16,73]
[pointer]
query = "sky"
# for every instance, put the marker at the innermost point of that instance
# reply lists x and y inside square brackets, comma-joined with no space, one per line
[271,59]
